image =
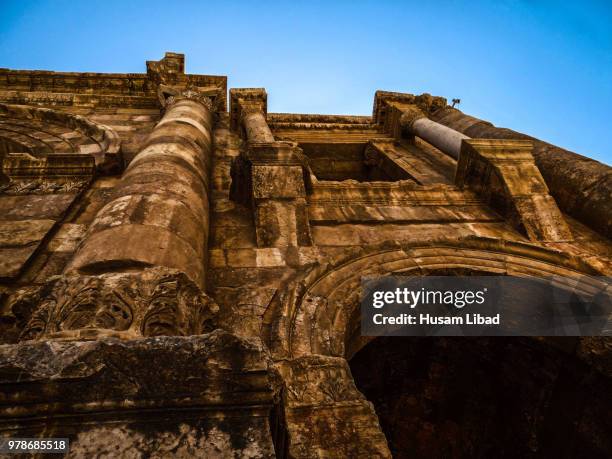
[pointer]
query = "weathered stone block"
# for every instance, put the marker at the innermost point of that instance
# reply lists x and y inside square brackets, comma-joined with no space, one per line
[18,242]
[326,415]
[504,173]
[278,182]
[204,395]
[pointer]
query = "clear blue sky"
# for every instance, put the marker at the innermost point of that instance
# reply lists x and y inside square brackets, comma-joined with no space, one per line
[540,67]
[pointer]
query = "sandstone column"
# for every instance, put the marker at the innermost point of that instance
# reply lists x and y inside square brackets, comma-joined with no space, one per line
[269,175]
[414,122]
[140,270]
[255,125]
[580,185]
[159,215]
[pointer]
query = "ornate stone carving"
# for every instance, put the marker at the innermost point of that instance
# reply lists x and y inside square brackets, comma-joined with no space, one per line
[17,308]
[42,186]
[189,94]
[153,302]
[318,379]
[410,115]
[55,173]
[169,95]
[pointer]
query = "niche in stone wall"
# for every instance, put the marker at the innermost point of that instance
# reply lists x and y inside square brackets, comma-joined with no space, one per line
[360,161]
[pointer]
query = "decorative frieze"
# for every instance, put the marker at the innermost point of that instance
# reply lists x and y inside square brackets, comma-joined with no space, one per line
[152,302]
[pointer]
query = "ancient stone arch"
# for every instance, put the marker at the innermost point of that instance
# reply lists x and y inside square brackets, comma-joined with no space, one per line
[315,312]
[44,131]
[312,325]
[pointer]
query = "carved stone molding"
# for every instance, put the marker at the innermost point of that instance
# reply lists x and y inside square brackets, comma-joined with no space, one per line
[196,96]
[56,173]
[409,115]
[43,186]
[208,97]
[153,302]
[51,175]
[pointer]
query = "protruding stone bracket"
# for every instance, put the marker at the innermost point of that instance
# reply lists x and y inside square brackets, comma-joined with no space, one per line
[504,173]
[273,179]
[127,305]
[169,70]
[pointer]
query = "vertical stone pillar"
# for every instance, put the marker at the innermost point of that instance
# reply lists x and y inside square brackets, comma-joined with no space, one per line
[325,414]
[159,215]
[255,126]
[413,122]
[141,268]
[269,176]
[248,110]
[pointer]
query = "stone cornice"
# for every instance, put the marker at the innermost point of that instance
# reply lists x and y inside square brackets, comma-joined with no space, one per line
[130,90]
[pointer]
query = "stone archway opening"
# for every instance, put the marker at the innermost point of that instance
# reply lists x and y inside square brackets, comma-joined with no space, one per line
[437,397]
[456,397]
[484,397]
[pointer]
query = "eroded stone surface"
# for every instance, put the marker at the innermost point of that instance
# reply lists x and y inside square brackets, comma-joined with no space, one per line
[164,214]
[178,397]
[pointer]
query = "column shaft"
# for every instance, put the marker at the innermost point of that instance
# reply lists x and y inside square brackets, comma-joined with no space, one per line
[159,214]
[256,127]
[443,138]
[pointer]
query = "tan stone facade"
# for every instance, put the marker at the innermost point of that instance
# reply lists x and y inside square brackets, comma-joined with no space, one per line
[180,272]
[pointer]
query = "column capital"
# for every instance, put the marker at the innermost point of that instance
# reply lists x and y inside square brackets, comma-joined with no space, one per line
[384,99]
[244,101]
[410,113]
[208,97]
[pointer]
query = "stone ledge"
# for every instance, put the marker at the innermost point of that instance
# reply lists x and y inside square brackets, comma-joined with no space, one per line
[66,378]
[159,397]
